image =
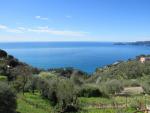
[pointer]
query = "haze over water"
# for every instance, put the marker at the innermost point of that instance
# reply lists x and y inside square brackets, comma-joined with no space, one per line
[86,56]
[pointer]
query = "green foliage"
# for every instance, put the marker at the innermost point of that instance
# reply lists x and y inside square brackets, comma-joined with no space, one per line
[146,87]
[32,84]
[30,103]
[21,81]
[3,78]
[7,99]
[67,99]
[111,87]
[60,92]
[91,105]
[3,53]
[47,75]
[131,83]
[62,87]
[78,81]
[89,91]
[132,69]
[33,103]
[48,88]
[13,62]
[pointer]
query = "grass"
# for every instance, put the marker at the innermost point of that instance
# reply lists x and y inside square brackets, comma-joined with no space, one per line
[131,101]
[118,99]
[30,103]
[129,110]
[3,78]
[33,103]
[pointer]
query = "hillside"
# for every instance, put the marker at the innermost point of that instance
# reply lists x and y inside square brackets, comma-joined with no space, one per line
[67,90]
[12,67]
[131,69]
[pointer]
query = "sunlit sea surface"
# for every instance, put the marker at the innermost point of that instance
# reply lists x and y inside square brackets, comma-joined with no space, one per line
[86,56]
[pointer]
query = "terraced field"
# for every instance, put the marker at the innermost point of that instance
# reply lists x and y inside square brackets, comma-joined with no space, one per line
[30,103]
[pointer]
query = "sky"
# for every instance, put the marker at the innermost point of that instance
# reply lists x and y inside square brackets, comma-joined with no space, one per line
[74,20]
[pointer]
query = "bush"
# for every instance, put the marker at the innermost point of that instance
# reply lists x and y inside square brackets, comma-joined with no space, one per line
[3,53]
[111,87]
[8,102]
[145,80]
[146,87]
[89,92]
[47,75]
[13,62]
[131,83]
[10,57]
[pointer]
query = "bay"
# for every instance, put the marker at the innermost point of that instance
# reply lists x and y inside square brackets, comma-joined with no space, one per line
[86,56]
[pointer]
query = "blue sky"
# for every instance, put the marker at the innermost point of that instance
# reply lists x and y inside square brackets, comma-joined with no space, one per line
[74,20]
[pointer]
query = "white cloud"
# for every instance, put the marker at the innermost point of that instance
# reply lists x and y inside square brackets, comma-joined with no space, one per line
[3,26]
[41,18]
[12,30]
[42,29]
[68,16]
[56,32]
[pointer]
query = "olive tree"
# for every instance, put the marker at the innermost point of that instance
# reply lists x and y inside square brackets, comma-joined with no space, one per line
[8,102]
[67,97]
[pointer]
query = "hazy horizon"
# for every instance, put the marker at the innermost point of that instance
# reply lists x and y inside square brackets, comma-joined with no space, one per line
[72,41]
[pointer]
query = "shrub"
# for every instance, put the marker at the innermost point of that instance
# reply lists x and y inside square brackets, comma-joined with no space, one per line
[46,75]
[131,83]
[146,87]
[89,92]
[7,99]
[77,80]
[10,57]
[145,81]
[13,62]
[111,87]
[3,53]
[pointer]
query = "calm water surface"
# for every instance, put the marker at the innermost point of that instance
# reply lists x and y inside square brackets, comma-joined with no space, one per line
[86,56]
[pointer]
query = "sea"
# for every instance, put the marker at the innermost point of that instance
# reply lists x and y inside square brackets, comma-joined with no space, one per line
[85,56]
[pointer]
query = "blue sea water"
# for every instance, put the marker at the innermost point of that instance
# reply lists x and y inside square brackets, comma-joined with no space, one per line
[86,56]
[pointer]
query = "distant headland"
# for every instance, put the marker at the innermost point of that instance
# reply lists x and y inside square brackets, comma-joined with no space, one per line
[138,43]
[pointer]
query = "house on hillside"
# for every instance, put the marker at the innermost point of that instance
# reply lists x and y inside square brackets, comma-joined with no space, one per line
[144,59]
